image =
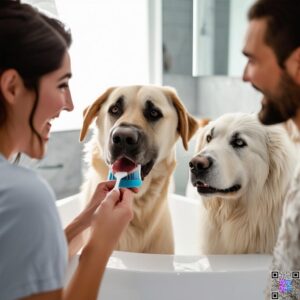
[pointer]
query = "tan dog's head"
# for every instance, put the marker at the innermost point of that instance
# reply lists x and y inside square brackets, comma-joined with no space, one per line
[139,125]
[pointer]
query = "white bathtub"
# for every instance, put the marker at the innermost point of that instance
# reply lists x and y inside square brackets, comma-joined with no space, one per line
[186,275]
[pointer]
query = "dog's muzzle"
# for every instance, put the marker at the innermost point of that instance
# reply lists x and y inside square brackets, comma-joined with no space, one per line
[127,140]
[130,142]
[200,167]
[200,164]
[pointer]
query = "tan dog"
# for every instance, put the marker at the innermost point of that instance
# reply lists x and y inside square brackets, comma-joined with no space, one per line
[139,125]
[242,170]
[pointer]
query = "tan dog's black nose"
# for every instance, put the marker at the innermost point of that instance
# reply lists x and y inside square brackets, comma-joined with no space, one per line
[125,137]
[200,163]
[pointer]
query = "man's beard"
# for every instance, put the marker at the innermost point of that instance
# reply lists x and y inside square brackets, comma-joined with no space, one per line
[283,106]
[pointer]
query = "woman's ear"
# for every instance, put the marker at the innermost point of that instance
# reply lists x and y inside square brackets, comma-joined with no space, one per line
[293,65]
[10,83]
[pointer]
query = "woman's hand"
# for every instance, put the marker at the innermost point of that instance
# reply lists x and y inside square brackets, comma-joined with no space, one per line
[102,190]
[74,231]
[83,220]
[100,193]
[110,219]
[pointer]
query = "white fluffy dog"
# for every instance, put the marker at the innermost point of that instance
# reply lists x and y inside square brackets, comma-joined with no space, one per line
[242,170]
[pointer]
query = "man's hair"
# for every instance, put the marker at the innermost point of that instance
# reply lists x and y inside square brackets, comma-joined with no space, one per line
[283,25]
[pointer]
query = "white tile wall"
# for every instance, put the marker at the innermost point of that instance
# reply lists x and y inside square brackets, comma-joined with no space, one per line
[62,165]
[177,18]
[187,89]
[221,94]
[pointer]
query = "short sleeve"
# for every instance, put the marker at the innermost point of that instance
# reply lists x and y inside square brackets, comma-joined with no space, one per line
[33,249]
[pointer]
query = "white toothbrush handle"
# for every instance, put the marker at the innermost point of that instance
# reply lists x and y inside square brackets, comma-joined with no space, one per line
[119,176]
[116,187]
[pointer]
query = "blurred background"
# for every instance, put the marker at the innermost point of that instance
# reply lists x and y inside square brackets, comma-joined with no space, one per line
[193,45]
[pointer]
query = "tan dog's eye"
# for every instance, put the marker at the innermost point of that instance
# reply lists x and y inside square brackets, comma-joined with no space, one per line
[154,113]
[208,138]
[151,112]
[115,110]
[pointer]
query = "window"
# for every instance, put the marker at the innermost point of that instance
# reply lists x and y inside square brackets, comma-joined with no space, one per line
[115,42]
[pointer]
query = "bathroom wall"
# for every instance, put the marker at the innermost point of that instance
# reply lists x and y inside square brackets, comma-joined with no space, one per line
[177,16]
[63,164]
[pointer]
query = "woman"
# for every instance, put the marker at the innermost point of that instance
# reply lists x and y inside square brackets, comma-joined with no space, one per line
[34,74]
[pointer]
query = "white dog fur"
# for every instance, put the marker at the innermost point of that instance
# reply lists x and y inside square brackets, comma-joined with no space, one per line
[260,159]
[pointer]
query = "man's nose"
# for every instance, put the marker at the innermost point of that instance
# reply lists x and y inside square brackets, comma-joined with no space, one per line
[246,74]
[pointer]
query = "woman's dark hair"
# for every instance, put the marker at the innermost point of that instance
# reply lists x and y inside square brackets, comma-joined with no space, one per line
[283,27]
[31,43]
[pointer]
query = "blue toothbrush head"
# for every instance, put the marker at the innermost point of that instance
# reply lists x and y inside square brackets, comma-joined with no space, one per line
[132,180]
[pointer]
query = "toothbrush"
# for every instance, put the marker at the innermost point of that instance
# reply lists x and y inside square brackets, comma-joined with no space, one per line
[125,179]
[119,176]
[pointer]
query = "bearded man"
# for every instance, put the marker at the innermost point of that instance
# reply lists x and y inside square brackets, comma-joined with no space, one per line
[272,47]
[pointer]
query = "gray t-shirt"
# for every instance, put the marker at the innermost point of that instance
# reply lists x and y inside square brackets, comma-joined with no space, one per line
[33,248]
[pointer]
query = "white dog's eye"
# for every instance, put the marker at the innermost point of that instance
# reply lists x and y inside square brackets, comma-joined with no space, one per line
[238,143]
[208,138]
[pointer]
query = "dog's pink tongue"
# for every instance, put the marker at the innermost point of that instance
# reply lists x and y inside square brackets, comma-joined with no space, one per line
[123,165]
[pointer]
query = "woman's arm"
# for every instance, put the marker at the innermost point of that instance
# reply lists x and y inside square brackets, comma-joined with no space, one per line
[113,215]
[75,237]
[109,221]
[75,230]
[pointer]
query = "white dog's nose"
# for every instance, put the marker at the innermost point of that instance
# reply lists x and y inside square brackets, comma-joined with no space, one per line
[200,163]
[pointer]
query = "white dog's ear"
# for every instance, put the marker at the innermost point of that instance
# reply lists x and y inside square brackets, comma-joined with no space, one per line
[90,112]
[187,124]
[281,150]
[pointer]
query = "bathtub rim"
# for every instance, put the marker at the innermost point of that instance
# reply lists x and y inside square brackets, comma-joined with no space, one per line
[185,264]
[175,263]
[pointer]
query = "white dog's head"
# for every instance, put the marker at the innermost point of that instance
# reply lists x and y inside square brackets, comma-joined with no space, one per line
[237,155]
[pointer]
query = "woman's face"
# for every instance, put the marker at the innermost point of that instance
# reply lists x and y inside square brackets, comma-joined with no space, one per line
[54,96]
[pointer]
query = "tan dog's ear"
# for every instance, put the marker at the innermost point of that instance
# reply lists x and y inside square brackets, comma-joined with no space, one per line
[200,141]
[187,124]
[203,122]
[90,112]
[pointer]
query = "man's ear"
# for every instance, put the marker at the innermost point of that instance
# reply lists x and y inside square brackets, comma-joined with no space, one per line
[10,82]
[293,65]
